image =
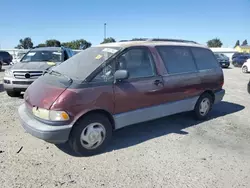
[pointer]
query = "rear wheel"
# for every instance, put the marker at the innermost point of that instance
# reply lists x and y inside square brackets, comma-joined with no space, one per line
[244,69]
[203,106]
[90,135]
[13,93]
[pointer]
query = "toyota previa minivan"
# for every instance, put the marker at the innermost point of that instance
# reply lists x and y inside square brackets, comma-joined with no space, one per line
[82,101]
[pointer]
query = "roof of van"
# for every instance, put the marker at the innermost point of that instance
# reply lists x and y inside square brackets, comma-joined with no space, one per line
[150,43]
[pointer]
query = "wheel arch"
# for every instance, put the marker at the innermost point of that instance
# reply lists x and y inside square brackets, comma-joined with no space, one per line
[210,92]
[245,65]
[97,111]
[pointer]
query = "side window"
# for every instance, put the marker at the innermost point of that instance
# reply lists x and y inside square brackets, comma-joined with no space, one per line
[204,58]
[177,59]
[138,62]
[71,52]
[106,74]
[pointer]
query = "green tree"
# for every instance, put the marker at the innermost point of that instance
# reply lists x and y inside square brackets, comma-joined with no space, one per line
[214,43]
[237,43]
[53,43]
[41,45]
[108,40]
[244,43]
[25,43]
[77,44]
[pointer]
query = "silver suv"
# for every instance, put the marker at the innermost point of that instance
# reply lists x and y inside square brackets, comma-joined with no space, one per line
[18,77]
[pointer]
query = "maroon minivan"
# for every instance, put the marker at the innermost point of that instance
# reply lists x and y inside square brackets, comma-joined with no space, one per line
[104,88]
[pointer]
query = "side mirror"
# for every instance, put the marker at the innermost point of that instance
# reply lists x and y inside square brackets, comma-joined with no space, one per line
[121,75]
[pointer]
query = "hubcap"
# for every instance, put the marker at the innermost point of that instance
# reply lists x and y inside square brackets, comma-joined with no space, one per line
[93,135]
[244,69]
[204,106]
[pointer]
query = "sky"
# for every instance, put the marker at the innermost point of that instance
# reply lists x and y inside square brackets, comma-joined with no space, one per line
[198,20]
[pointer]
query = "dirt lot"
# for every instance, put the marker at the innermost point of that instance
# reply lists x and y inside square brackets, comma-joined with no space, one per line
[171,152]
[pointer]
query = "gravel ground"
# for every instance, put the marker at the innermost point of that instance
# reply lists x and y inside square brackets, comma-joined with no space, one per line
[171,152]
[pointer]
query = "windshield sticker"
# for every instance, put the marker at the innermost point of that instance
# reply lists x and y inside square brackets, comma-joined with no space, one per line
[31,54]
[110,50]
[51,63]
[98,56]
[57,53]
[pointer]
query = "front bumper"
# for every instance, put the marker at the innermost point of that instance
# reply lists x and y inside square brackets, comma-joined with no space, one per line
[12,84]
[218,95]
[48,133]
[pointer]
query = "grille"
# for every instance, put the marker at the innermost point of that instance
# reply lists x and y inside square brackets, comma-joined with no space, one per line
[22,82]
[27,74]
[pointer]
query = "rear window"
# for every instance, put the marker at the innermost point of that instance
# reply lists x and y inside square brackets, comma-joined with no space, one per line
[204,58]
[177,59]
[4,54]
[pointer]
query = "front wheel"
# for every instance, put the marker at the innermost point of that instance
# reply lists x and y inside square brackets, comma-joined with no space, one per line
[244,69]
[203,106]
[90,135]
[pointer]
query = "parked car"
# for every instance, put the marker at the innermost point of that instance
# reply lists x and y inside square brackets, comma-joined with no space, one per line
[224,61]
[5,57]
[226,57]
[240,60]
[18,77]
[237,54]
[246,66]
[81,102]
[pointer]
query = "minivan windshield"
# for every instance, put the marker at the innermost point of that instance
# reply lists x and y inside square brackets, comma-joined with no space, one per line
[42,55]
[84,63]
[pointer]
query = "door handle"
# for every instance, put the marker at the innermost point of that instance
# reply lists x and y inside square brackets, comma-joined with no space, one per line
[158,82]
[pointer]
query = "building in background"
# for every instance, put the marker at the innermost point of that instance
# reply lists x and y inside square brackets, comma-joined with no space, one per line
[243,49]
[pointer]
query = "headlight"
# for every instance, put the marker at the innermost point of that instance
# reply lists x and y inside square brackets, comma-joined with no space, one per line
[8,72]
[50,114]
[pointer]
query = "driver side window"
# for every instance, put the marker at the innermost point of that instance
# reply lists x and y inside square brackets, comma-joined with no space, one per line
[138,62]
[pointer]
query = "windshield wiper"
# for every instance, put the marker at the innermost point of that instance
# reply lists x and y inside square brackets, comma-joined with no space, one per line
[56,73]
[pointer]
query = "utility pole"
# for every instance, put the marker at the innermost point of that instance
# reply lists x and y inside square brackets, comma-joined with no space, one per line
[105,31]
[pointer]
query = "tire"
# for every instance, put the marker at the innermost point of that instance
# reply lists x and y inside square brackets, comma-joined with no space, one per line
[244,69]
[94,126]
[13,93]
[204,98]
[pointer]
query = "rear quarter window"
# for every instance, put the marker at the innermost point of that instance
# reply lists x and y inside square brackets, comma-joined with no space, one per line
[177,59]
[204,58]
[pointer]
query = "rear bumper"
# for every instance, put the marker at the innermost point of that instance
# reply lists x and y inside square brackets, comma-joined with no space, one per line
[225,64]
[48,133]
[218,96]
